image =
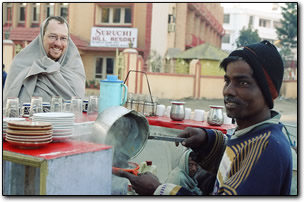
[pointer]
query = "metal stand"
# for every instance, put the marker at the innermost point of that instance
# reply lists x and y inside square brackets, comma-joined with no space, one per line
[145,104]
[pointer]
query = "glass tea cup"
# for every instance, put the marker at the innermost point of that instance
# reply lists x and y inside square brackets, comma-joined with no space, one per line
[76,108]
[93,108]
[66,106]
[56,104]
[36,105]
[12,107]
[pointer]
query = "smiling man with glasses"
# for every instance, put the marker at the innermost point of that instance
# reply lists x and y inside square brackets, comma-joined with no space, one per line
[49,66]
[53,30]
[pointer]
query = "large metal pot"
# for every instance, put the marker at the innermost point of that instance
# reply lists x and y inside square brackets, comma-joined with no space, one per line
[126,130]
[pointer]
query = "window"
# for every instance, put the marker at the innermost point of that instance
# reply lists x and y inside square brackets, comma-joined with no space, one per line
[251,20]
[104,67]
[127,15]
[264,23]
[105,18]
[22,12]
[63,10]
[116,15]
[226,18]
[49,9]
[226,38]
[9,10]
[36,12]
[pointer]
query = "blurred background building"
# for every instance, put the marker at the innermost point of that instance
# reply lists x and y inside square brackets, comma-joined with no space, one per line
[175,43]
[262,17]
[236,17]
[156,27]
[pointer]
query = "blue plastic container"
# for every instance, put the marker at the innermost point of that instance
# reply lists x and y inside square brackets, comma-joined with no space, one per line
[112,93]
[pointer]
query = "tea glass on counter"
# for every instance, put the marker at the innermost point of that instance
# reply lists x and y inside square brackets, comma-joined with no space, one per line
[56,104]
[141,103]
[12,107]
[76,108]
[135,102]
[144,104]
[66,106]
[93,107]
[46,107]
[149,107]
[36,105]
[128,104]
[25,110]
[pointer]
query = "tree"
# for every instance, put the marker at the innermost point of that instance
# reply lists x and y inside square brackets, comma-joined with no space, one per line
[247,36]
[287,32]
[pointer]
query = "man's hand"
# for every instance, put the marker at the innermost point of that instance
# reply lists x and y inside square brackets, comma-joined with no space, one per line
[195,138]
[143,184]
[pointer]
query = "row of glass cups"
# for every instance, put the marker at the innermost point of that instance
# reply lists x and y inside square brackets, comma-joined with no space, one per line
[144,104]
[76,105]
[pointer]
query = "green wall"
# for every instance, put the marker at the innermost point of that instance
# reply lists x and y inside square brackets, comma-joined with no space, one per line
[211,68]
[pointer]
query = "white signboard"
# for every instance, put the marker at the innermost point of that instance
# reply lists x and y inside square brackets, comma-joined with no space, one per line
[113,37]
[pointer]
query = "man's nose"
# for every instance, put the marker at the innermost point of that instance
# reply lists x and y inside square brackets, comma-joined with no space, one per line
[229,89]
[58,42]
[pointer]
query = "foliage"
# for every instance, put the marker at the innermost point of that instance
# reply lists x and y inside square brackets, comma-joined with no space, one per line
[247,36]
[155,61]
[287,33]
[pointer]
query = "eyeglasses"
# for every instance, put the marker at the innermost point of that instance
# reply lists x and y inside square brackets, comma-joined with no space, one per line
[54,38]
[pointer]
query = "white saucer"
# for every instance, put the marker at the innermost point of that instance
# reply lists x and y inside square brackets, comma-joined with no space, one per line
[55,115]
[13,119]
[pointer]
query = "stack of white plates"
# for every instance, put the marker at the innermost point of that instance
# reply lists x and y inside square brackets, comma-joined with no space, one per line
[62,123]
[5,120]
[28,134]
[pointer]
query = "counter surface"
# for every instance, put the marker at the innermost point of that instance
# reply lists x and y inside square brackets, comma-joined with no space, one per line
[167,122]
[57,149]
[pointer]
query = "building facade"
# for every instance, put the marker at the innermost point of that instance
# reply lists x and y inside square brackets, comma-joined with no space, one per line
[101,30]
[237,17]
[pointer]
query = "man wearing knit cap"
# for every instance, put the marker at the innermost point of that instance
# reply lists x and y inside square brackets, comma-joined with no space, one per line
[256,159]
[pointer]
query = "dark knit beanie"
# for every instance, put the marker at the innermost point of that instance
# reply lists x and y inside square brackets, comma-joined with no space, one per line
[267,66]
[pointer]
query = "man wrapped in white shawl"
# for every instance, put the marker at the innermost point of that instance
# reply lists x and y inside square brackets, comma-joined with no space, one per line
[36,71]
[181,175]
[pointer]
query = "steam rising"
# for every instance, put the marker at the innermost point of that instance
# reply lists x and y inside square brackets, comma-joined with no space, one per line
[122,136]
